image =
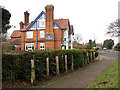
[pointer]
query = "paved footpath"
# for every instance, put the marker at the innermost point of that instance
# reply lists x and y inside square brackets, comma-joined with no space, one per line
[83,77]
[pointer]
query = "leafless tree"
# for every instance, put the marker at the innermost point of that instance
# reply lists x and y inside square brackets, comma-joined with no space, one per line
[114,28]
[77,38]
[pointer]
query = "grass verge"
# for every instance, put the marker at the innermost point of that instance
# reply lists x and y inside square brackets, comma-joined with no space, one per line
[108,79]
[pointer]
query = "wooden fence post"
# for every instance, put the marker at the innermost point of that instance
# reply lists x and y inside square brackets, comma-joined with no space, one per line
[99,57]
[91,57]
[32,71]
[72,66]
[88,57]
[85,58]
[47,66]
[94,56]
[57,65]
[66,63]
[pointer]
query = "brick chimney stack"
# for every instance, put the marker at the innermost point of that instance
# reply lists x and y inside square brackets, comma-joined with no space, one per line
[26,18]
[49,17]
[21,25]
[49,26]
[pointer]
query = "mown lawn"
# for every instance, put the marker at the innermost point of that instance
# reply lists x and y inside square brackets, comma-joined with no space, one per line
[108,79]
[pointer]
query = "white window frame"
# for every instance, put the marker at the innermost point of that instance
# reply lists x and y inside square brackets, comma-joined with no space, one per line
[29,34]
[30,44]
[42,34]
[42,46]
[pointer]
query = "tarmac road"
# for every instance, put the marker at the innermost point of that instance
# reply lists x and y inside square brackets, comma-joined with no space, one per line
[110,53]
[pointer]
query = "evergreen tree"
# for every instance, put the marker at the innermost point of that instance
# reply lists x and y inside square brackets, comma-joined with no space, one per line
[5,20]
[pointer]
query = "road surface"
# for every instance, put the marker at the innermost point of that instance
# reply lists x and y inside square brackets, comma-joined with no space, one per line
[109,53]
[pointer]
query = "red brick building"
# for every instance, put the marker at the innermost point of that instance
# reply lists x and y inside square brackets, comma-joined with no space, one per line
[44,33]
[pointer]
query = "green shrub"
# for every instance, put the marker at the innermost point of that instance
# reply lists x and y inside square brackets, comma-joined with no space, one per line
[40,63]
[85,57]
[62,63]
[17,67]
[78,58]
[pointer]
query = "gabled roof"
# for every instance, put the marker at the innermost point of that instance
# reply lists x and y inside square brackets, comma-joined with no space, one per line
[62,23]
[30,24]
[16,33]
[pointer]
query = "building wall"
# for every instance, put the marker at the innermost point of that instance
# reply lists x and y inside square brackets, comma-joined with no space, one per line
[66,43]
[72,36]
[49,44]
[57,40]
[22,41]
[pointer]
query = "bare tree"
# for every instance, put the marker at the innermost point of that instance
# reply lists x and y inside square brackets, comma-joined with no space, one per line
[114,28]
[77,38]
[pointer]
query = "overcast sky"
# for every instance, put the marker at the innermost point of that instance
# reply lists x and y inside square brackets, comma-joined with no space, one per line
[90,18]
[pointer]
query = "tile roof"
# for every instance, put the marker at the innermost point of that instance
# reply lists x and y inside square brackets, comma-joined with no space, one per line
[16,33]
[16,42]
[62,23]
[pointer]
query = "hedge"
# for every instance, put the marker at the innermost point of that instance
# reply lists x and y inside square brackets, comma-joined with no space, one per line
[17,67]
